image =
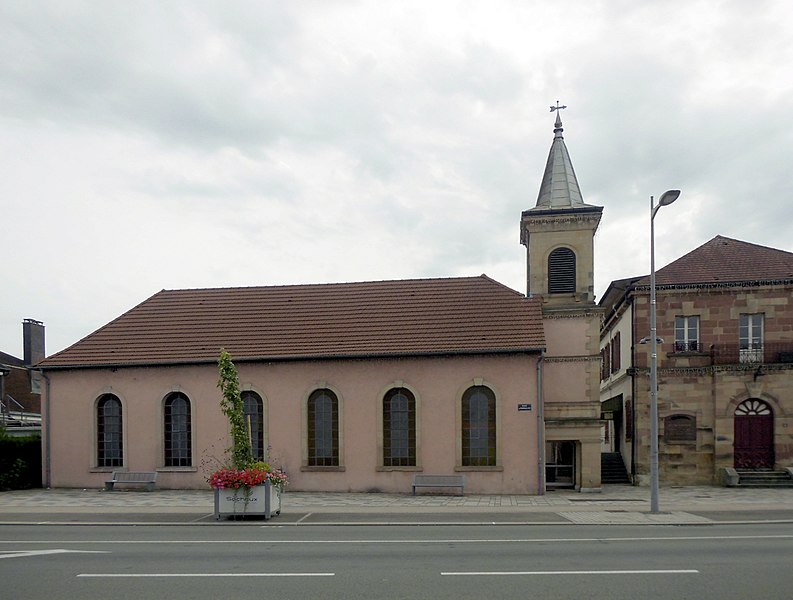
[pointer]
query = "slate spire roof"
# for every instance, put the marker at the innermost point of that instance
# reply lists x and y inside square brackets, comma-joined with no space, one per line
[419,317]
[559,188]
[725,260]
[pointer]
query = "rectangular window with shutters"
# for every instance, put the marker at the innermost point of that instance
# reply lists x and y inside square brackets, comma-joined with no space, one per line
[605,362]
[615,353]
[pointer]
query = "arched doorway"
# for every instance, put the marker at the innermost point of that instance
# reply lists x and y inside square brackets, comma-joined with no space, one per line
[754,435]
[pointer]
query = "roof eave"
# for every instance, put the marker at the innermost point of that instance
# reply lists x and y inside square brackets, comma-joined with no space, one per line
[707,284]
[296,358]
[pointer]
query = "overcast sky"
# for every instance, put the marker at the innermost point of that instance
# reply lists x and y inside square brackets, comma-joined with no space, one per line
[150,145]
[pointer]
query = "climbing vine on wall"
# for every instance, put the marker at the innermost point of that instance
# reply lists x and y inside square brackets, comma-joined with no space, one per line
[232,406]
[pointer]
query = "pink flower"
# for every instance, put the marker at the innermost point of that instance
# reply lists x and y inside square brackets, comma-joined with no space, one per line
[256,475]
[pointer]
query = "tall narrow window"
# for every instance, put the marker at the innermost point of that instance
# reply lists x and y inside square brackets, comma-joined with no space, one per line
[323,429]
[605,362]
[109,443]
[750,338]
[561,271]
[178,435]
[399,428]
[615,353]
[253,408]
[479,427]
[686,334]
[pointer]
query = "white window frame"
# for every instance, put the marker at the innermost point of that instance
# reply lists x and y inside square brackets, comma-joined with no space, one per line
[751,332]
[684,341]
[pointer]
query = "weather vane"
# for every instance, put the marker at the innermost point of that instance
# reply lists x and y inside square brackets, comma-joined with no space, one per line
[557,107]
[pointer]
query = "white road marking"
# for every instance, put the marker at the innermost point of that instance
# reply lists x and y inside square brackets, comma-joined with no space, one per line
[122,575]
[427,541]
[617,572]
[26,553]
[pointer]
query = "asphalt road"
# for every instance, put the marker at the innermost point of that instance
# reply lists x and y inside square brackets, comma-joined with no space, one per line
[507,561]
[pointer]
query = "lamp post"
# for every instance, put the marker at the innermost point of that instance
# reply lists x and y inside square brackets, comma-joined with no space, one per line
[666,198]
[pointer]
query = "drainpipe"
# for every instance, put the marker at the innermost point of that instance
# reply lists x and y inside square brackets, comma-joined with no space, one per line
[540,428]
[45,421]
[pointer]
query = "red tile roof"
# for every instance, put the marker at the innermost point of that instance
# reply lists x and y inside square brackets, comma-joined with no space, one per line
[384,318]
[725,260]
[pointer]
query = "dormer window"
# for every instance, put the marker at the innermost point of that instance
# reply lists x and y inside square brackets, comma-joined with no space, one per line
[561,271]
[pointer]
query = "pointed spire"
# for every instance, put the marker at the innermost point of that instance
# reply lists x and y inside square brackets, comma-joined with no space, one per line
[559,188]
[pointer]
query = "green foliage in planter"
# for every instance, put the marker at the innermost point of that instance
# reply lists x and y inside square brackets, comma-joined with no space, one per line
[232,406]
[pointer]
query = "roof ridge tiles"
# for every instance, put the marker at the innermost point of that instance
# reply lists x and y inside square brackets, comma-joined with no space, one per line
[320,285]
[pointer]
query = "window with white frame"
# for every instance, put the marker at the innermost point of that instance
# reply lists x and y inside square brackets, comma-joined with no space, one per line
[687,333]
[750,338]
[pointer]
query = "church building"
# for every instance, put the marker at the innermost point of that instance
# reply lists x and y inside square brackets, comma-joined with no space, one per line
[354,386]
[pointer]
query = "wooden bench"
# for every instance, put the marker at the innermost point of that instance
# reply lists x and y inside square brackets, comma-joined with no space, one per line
[147,478]
[438,481]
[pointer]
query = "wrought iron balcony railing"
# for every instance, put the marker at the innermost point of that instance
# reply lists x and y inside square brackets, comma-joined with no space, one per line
[767,353]
[692,346]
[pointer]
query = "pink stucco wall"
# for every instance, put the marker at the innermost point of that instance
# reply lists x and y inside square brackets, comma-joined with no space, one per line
[438,384]
[572,370]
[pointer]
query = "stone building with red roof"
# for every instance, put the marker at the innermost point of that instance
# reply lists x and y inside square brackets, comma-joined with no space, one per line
[725,365]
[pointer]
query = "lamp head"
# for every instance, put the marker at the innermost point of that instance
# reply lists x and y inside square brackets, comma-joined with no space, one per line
[668,197]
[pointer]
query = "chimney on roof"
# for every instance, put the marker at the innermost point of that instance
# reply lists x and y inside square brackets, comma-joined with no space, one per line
[33,340]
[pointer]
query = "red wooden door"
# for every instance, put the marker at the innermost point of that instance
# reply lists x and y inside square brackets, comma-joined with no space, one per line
[754,436]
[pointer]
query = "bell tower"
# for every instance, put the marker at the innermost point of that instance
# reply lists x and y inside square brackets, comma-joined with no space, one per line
[559,233]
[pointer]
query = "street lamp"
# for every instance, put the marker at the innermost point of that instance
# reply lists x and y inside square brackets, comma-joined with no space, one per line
[666,198]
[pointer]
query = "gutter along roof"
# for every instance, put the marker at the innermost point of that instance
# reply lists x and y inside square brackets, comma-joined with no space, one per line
[419,317]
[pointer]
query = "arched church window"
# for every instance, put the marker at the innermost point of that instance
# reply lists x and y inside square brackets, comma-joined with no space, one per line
[479,427]
[110,447]
[399,428]
[323,429]
[178,431]
[253,411]
[561,271]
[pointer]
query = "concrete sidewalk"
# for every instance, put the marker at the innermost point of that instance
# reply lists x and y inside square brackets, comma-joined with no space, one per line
[614,505]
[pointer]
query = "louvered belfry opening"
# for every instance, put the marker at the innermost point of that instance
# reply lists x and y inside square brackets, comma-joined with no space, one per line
[561,271]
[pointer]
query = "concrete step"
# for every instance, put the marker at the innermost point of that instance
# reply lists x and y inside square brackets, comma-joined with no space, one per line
[764,478]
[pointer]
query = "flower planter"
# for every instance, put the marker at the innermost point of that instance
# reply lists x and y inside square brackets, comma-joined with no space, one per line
[257,501]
